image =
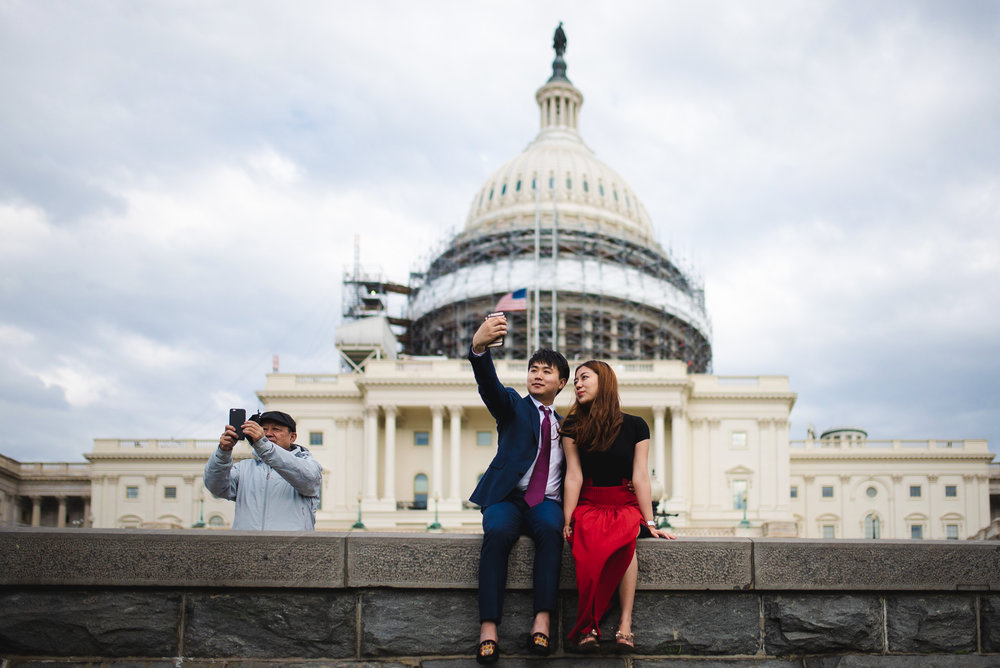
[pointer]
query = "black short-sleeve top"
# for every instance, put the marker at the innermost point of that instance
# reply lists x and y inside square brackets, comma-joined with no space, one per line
[609,468]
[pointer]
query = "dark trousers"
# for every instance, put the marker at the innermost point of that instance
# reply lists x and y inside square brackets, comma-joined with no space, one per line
[503,524]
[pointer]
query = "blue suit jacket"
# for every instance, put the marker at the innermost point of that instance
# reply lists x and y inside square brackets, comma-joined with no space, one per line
[519,425]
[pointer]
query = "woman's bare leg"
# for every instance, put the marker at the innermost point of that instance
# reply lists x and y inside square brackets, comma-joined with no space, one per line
[626,595]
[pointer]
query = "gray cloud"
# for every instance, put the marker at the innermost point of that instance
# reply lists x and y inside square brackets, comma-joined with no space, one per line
[180,188]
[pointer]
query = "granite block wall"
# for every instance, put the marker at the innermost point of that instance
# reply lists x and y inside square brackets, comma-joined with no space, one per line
[71,597]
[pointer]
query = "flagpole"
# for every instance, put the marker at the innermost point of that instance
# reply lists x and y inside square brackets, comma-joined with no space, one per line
[536,331]
[555,271]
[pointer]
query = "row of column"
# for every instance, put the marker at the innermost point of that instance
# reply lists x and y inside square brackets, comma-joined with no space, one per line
[452,497]
[62,514]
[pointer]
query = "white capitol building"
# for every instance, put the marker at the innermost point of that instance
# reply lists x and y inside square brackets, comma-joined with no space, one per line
[402,434]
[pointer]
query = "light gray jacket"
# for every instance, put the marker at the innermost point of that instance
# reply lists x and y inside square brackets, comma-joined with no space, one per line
[276,489]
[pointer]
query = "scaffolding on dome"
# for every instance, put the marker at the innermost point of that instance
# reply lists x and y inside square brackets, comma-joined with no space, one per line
[592,321]
[366,334]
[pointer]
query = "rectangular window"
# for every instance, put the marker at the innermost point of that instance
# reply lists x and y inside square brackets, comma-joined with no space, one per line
[794,492]
[484,438]
[169,492]
[739,440]
[951,531]
[421,438]
[914,491]
[917,531]
[951,490]
[739,494]
[315,438]
[131,492]
[829,531]
[827,491]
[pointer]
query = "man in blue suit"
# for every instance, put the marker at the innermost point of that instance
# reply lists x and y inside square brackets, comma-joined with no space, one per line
[521,491]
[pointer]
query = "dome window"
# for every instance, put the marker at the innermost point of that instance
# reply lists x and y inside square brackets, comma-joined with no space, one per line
[569,183]
[600,189]
[628,202]
[552,182]
[517,187]
[615,193]
[586,188]
[503,191]
[534,183]
[491,194]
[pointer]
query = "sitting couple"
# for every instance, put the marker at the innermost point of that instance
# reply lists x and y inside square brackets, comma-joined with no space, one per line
[600,510]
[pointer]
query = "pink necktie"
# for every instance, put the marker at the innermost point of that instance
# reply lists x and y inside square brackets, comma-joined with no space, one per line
[540,476]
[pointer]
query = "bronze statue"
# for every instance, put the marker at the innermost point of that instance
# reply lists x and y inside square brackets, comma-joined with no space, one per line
[559,42]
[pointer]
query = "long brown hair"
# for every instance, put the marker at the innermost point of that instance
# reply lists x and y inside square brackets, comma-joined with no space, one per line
[595,426]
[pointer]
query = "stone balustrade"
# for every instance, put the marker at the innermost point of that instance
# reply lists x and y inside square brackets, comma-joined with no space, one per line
[145,598]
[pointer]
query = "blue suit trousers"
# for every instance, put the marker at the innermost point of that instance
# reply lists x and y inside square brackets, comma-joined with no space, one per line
[503,523]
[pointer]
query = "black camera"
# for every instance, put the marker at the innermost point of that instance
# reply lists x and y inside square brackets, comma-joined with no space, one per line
[237,416]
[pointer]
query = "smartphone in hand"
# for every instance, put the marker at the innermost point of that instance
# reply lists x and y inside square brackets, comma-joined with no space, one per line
[237,416]
[497,342]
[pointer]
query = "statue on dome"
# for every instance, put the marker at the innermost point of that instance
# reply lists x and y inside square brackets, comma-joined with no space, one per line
[559,65]
[559,41]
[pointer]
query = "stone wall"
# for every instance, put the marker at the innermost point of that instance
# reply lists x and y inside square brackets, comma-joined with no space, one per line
[157,598]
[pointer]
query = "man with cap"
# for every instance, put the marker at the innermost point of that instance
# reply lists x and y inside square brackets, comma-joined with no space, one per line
[278,488]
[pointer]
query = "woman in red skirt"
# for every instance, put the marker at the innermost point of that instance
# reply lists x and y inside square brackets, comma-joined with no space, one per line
[605,449]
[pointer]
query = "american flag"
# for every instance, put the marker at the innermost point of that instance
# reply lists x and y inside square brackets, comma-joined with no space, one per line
[513,301]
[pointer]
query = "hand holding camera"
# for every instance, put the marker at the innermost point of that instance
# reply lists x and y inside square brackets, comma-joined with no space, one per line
[240,427]
[491,333]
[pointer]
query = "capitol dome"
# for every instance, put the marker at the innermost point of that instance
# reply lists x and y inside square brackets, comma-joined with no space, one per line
[608,291]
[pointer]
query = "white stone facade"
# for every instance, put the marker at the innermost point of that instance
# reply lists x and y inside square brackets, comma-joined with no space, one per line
[715,440]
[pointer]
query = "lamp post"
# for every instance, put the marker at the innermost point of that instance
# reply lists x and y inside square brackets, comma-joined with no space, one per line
[359,524]
[744,524]
[656,492]
[436,526]
[200,524]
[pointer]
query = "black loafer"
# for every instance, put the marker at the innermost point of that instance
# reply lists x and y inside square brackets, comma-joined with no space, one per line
[488,652]
[538,643]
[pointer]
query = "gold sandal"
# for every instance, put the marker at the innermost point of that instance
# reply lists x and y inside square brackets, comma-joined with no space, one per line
[624,642]
[588,643]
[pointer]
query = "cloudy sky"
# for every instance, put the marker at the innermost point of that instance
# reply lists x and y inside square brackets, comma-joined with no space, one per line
[181,184]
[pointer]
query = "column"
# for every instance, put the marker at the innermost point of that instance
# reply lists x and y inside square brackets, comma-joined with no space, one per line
[338,471]
[767,491]
[437,423]
[36,511]
[88,521]
[983,498]
[455,476]
[782,465]
[889,531]
[61,515]
[932,519]
[845,483]
[807,521]
[189,494]
[970,489]
[660,446]
[370,490]
[679,474]
[389,470]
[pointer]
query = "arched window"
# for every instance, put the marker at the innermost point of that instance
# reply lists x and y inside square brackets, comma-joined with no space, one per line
[216,521]
[420,488]
[873,527]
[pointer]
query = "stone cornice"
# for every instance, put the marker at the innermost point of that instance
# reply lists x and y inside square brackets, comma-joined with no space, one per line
[245,559]
[742,396]
[156,455]
[888,454]
[304,394]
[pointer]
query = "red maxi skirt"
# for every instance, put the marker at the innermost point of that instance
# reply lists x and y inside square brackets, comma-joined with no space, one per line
[606,522]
